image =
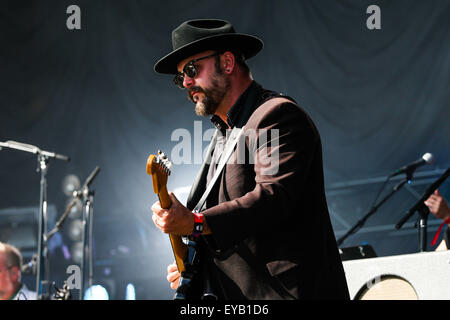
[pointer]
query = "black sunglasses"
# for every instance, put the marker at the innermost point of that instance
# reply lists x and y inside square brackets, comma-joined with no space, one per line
[190,70]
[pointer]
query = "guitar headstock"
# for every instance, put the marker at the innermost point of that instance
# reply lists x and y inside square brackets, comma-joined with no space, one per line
[158,166]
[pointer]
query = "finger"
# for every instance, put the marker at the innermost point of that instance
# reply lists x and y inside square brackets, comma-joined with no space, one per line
[437,196]
[436,192]
[172,267]
[174,285]
[433,209]
[156,207]
[173,198]
[155,220]
[171,277]
[159,223]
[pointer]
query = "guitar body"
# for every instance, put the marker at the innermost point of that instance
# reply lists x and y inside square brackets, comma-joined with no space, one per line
[184,248]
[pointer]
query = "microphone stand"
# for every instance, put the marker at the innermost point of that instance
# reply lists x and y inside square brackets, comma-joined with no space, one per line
[63,218]
[361,222]
[87,237]
[423,211]
[88,199]
[42,262]
[42,284]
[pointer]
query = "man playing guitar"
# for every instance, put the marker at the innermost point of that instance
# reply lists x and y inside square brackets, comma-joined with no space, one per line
[264,231]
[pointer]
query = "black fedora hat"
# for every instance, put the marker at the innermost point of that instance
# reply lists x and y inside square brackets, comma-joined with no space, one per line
[195,36]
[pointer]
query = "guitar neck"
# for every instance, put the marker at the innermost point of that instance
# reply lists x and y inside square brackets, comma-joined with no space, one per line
[178,247]
[158,166]
[164,198]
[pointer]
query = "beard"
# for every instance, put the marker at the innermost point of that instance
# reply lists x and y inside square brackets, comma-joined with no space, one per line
[212,96]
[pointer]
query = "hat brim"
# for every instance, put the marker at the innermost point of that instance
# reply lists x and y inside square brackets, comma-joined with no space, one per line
[248,45]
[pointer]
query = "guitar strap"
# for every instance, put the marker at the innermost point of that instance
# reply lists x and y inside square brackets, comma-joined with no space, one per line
[228,150]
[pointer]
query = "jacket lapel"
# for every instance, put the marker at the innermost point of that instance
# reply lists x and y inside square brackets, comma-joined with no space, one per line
[199,184]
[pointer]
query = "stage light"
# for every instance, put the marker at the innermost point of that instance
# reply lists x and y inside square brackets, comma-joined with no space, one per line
[96,292]
[130,293]
[70,184]
[75,230]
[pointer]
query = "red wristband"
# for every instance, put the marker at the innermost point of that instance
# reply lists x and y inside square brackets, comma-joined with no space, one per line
[198,217]
[198,224]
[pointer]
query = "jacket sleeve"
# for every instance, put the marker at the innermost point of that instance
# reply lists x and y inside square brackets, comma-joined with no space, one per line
[281,170]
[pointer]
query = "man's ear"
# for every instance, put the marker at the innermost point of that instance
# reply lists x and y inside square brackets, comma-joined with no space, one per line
[15,274]
[228,62]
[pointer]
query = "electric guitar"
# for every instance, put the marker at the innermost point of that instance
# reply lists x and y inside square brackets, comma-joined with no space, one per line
[184,249]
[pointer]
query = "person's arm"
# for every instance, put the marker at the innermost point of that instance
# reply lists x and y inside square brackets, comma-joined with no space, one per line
[438,207]
[280,174]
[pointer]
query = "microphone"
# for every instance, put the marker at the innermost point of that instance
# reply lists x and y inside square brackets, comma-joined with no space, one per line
[33,149]
[427,158]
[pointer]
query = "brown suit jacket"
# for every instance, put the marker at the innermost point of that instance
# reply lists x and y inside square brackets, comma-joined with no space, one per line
[271,233]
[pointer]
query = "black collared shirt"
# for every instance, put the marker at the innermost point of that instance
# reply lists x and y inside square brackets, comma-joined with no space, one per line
[243,105]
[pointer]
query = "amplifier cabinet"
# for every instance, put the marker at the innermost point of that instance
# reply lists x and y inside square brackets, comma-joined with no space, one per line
[418,276]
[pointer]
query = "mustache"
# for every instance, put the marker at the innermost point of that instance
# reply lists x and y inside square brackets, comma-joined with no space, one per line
[193,90]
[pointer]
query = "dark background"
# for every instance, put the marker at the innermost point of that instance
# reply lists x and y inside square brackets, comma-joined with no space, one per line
[380,99]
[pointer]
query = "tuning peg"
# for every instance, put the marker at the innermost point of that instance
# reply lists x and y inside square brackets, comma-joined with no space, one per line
[162,154]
